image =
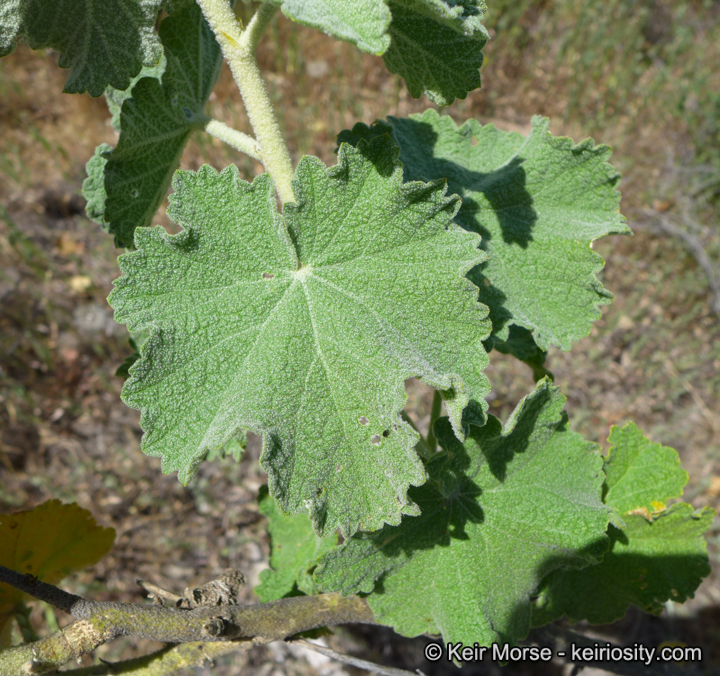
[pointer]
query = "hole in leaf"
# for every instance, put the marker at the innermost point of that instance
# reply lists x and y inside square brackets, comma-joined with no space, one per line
[375,439]
[386,433]
[473,141]
[338,469]
[134,193]
[268,275]
[363,420]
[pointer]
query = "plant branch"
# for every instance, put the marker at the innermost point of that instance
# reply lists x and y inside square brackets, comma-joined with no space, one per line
[238,48]
[696,249]
[167,660]
[100,622]
[556,637]
[234,138]
[353,661]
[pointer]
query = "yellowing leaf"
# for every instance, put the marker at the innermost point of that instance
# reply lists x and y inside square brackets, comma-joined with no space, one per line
[49,542]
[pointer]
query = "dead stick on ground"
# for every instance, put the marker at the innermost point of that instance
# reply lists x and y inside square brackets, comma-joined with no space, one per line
[698,251]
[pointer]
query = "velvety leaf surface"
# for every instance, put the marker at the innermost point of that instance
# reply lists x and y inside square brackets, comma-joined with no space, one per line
[660,554]
[125,186]
[103,42]
[433,58]
[306,335]
[294,552]
[538,203]
[362,22]
[498,514]
[641,475]
[49,542]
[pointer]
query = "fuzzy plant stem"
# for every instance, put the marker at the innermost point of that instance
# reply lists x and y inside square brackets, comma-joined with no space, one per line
[234,138]
[238,47]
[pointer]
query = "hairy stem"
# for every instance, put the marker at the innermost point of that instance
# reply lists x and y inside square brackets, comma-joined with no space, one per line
[237,139]
[238,48]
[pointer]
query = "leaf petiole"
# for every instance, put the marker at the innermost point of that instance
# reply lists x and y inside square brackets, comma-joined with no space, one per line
[234,138]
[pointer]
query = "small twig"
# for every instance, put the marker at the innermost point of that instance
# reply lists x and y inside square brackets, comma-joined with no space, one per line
[552,634]
[696,248]
[40,590]
[167,660]
[353,661]
[158,593]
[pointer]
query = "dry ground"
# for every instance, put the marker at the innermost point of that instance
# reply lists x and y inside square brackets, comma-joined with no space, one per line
[653,358]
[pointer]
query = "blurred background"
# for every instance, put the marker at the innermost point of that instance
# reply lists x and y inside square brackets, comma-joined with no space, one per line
[642,76]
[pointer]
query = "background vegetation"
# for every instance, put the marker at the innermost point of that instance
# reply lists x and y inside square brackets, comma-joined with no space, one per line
[639,75]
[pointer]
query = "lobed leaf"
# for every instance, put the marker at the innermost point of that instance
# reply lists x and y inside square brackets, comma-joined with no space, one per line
[498,514]
[658,555]
[538,203]
[433,58]
[103,42]
[306,334]
[126,185]
[362,22]
[294,552]
[464,16]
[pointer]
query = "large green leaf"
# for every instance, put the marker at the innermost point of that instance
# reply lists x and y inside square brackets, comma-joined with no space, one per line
[498,514]
[432,57]
[294,552]
[125,186]
[659,555]
[363,22]
[538,203]
[103,42]
[306,335]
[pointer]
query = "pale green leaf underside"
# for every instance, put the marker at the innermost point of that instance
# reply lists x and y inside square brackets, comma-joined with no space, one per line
[434,45]
[538,203]
[125,186]
[498,514]
[103,42]
[433,58]
[294,551]
[463,16]
[362,22]
[116,97]
[660,554]
[307,338]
